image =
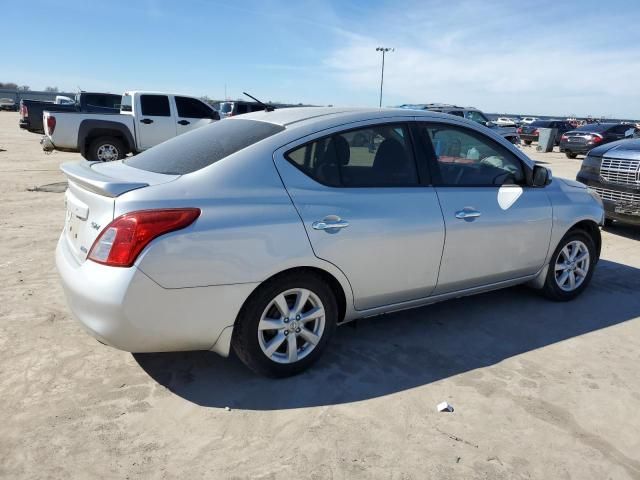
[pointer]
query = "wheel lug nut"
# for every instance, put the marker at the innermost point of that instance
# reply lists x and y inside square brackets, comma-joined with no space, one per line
[286,320]
[297,317]
[297,330]
[286,332]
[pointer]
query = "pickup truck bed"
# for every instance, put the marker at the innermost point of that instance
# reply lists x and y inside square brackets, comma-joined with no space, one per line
[31,110]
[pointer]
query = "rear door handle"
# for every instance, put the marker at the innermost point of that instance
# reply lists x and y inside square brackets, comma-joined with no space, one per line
[146,121]
[467,213]
[327,224]
[184,122]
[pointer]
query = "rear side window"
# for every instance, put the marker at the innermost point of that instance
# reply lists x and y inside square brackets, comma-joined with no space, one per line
[202,147]
[192,108]
[155,105]
[377,156]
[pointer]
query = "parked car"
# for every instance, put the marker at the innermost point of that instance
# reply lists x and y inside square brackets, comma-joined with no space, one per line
[529,133]
[238,107]
[469,113]
[505,122]
[528,120]
[613,171]
[582,139]
[263,232]
[8,104]
[145,119]
[64,100]
[31,111]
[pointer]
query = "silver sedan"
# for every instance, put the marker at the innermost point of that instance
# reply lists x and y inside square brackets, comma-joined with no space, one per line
[264,232]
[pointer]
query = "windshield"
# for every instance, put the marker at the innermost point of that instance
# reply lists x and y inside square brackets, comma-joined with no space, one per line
[226,107]
[475,116]
[202,147]
[126,104]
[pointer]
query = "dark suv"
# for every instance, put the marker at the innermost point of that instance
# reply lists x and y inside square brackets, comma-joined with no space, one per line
[613,171]
[470,113]
[529,133]
[583,139]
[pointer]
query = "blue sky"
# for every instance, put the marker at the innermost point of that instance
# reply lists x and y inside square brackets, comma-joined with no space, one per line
[542,57]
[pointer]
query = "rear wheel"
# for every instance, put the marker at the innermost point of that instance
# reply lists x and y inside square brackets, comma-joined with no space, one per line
[106,149]
[285,324]
[571,267]
[571,154]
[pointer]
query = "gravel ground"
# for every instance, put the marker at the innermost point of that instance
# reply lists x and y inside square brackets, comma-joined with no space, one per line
[541,390]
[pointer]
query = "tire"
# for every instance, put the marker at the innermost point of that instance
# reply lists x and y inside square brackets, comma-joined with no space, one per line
[608,222]
[552,288]
[106,149]
[528,142]
[570,154]
[251,344]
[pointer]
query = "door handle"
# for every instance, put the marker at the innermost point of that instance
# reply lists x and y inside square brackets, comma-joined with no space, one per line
[327,224]
[146,121]
[184,122]
[467,213]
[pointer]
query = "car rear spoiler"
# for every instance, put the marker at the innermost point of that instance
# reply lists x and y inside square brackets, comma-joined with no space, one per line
[82,174]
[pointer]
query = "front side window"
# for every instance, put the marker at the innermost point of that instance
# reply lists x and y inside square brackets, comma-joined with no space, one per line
[155,105]
[192,108]
[377,156]
[465,157]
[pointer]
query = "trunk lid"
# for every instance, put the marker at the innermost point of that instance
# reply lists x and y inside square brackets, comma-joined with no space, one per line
[91,195]
[577,138]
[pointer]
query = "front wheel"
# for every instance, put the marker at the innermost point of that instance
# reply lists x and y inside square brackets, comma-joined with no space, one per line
[571,155]
[285,324]
[571,267]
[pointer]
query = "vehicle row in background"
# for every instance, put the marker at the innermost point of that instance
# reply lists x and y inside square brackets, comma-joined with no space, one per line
[144,119]
[31,111]
[469,113]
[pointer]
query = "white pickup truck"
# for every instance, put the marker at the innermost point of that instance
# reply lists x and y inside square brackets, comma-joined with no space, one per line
[145,119]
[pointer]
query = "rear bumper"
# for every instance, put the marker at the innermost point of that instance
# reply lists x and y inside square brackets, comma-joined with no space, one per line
[575,148]
[525,137]
[610,205]
[124,308]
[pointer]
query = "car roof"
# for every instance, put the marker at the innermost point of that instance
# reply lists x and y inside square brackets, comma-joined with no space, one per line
[303,115]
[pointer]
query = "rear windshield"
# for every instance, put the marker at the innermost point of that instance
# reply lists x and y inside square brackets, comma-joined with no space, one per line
[202,147]
[595,127]
[226,107]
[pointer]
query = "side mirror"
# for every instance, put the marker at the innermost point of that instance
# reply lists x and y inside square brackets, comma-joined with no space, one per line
[541,176]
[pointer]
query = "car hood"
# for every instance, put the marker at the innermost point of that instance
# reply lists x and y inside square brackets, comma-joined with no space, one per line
[572,183]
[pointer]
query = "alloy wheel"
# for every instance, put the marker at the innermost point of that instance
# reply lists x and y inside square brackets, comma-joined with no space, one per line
[291,326]
[107,153]
[572,266]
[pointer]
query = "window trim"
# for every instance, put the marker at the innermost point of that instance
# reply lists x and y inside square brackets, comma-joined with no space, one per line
[434,167]
[407,124]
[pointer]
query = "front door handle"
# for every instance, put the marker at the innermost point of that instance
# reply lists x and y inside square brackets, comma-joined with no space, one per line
[146,121]
[467,213]
[334,223]
[184,122]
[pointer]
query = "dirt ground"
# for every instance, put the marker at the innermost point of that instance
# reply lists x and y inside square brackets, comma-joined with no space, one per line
[541,390]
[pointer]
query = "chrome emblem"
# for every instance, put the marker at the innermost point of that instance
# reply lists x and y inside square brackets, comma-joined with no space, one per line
[95,226]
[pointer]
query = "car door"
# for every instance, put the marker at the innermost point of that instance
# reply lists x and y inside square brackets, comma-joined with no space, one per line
[497,227]
[191,114]
[367,210]
[156,122]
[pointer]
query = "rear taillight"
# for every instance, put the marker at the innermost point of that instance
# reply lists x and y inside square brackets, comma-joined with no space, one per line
[120,243]
[520,130]
[24,111]
[51,124]
[563,137]
[595,138]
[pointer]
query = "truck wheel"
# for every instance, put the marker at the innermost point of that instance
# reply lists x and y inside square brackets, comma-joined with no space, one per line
[285,324]
[571,155]
[106,149]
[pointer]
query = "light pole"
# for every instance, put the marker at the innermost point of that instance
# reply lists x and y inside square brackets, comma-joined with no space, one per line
[383,50]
